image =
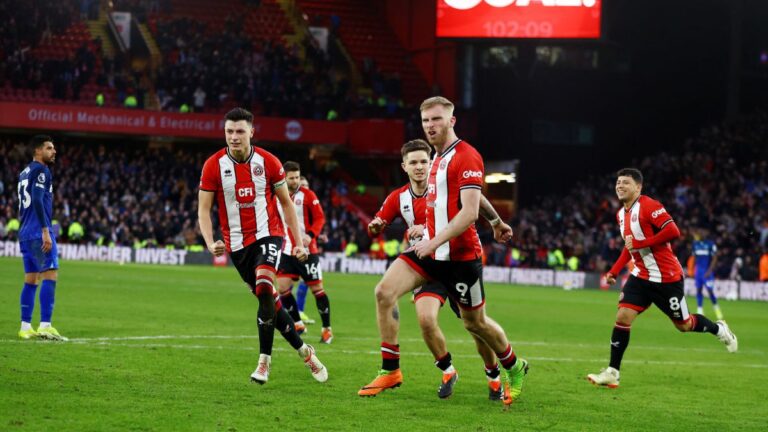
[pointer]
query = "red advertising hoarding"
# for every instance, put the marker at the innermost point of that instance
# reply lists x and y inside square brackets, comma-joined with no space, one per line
[156,123]
[561,19]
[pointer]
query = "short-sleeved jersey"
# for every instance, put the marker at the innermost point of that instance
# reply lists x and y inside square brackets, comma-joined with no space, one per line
[35,184]
[311,219]
[459,167]
[403,202]
[644,219]
[245,194]
[703,252]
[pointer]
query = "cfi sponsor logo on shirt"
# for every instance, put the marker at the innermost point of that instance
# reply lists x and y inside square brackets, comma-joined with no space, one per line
[258,170]
[472,174]
[658,212]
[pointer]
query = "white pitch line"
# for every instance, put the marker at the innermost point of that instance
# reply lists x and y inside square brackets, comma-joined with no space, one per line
[416,340]
[105,341]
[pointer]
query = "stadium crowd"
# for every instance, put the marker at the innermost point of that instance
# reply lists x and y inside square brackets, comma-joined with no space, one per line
[214,71]
[139,196]
[202,70]
[717,181]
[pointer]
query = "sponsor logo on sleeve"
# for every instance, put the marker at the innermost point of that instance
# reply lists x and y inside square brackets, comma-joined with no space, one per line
[472,174]
[658,212]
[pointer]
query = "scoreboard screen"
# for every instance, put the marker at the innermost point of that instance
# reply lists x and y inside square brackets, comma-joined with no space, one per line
[557,19]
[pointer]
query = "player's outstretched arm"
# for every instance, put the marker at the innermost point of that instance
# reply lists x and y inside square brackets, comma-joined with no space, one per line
[290,218]
[502,232]
[204,205]
[470,200]
[618,265]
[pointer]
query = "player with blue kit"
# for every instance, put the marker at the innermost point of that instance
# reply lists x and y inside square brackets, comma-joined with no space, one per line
[705,260]
[37,244]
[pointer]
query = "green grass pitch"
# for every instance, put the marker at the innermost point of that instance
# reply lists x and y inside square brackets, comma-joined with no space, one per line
[172,348]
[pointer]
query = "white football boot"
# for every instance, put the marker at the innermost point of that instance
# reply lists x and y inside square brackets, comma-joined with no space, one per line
[319,372]
[261,374]
[727,337]
[608,377]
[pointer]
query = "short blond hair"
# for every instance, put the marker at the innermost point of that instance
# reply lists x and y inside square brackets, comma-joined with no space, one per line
[436,100]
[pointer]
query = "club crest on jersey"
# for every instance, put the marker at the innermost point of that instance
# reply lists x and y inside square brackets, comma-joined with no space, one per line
[258,170]
[298,202]
[443,164]
[634,217]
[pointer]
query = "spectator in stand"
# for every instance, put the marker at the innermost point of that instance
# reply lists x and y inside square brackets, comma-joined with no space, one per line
[764,266]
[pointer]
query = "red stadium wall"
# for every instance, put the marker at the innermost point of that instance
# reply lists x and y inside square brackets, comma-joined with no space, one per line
[414,23]
[364,136]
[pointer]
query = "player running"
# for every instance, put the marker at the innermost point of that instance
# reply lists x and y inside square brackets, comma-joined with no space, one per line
[705,260]
[409,203]
[301,291]
[37,244]
[657,277]
[311,219]
[449,253]
[247,182]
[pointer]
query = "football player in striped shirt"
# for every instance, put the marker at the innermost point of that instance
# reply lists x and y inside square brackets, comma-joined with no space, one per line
[247,182]
[657,277]
[409,203]
[311,219]
[449,253]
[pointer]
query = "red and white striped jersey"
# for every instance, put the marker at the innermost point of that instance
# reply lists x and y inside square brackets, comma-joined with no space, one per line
[644,219]
[245,194]
[311,219]
[403,202]
[459,167]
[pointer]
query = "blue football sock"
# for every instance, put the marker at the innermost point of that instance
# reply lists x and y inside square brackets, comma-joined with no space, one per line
[301,295]
[47,295]
[27,301]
